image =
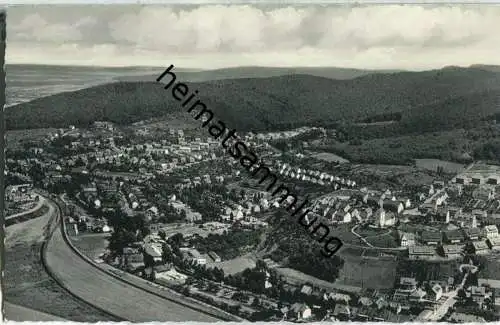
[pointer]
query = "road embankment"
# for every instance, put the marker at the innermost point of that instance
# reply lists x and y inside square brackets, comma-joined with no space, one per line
[116,294]
[30,292]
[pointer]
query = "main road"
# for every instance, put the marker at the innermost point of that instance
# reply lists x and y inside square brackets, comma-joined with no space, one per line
[109,293]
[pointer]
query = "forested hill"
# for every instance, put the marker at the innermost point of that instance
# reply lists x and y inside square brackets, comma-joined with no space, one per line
[430,98]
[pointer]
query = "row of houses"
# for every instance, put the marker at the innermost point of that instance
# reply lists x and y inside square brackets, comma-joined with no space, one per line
[313,176]
[454,251]
[477,179]
[433,238]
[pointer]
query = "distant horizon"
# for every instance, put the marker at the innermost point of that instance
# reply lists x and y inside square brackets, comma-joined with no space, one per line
[190,69]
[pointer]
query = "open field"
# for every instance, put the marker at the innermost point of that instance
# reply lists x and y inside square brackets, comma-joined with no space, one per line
[433,164]
[327,156]
[344,233]
[380,176]
[27,284]
[383,240]
[427,270]
[370,232]
[298,279]
[233,266]
[368,273]
[92,245]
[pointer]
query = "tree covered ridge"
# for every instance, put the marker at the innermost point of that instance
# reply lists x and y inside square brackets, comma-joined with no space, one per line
[446,98]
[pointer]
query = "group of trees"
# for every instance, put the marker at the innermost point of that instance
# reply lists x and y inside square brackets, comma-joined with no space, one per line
[301,252]
[227,246]
[126,231]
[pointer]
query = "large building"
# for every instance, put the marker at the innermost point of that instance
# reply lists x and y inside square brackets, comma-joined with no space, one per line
[431,238]
[421,252]
[491,231]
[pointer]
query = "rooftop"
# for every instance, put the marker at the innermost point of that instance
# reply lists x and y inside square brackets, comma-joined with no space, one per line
[421,250]
[431,236]
[453,249]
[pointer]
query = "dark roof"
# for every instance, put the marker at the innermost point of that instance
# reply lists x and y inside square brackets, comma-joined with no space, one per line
[431,236]
[391,205]
[473,231]
[453,234]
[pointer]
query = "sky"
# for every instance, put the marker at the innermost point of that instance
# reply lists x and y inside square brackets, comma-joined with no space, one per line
[205,36]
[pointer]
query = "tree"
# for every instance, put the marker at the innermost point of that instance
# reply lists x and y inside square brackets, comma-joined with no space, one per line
[461,294]
[119,240]
[260,265]
[162,234]
[176,239]
[256,302]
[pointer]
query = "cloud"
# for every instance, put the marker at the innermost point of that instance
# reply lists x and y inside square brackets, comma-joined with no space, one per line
[363,36]
[35,28]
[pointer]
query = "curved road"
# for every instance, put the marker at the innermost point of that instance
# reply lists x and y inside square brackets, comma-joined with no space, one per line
[110,294]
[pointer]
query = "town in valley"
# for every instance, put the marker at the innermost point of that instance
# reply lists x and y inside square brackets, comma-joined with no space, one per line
[166,205]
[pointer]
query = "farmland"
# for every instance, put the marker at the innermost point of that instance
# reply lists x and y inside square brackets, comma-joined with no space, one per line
[367,272]
[433,164]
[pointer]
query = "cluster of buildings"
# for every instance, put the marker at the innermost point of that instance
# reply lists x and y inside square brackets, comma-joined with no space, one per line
[313,176]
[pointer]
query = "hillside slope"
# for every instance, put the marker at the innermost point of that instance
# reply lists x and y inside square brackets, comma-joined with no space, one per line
[284,101]
[259,72]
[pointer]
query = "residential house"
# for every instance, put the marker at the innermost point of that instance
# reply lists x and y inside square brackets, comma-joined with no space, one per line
[192,216]
[306,289]
[214,256]
[479,294]
[194,256]
[455,212]
[152,253]
[434,293]
[417,296]
[494,243]
[484,193]
[340,216]
[491,231]
[480,247]
[339,297]
[300,311]
[342,312]
[384,219]
[442,215]
[406,202]
[440,198]
[393,206]
[407,284]
[493,180]
[476,179]
[407,239]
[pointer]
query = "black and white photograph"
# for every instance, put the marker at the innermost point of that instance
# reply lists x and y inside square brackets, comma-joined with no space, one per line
[251,162]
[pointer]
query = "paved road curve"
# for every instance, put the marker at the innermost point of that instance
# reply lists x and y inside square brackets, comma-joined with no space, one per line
[109,293]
